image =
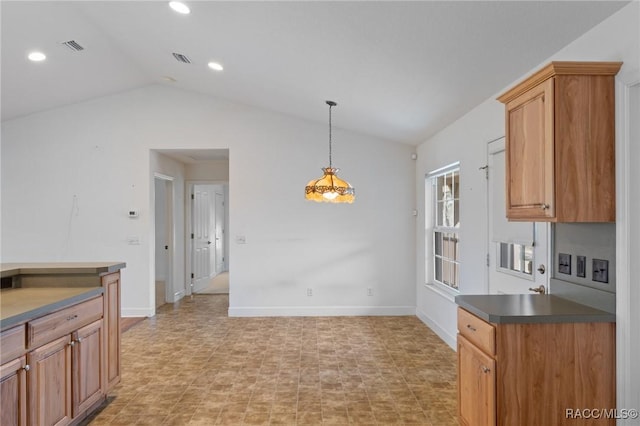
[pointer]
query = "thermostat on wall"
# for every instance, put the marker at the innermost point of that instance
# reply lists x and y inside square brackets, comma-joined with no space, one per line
[133,214]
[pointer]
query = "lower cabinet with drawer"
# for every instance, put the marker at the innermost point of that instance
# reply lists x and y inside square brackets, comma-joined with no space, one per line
[60,373]
[13,392]
[535,373]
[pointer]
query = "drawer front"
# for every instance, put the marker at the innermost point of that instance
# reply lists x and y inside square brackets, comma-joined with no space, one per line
[479,332]
[57,324]
[12,343]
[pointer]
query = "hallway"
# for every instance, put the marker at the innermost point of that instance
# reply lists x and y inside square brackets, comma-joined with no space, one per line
[193,365]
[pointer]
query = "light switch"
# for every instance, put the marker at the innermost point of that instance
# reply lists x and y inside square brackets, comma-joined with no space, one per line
[581,266]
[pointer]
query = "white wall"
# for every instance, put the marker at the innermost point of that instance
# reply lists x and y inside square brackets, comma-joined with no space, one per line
[211,170]
[85,165]
[615,39]
[464,141]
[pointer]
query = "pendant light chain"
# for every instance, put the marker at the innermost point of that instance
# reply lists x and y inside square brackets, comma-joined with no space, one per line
[330,163]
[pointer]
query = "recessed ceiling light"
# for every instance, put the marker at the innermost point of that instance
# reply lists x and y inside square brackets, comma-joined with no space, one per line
[37,56]
[215,66]
[169,79]
[179,7]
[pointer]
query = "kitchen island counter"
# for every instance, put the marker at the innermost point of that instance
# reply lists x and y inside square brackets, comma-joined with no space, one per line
[19,305]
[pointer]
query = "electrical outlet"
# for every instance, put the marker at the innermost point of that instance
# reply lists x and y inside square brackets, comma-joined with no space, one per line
[369,291]
[600,270]
[309,292]
[581,266]
[564,263]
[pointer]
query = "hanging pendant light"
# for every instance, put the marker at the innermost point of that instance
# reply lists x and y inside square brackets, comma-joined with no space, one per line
[330,188]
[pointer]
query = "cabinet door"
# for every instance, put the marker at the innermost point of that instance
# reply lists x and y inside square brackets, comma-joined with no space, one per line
[87,367]
[49,382]
[530,154]
[111,284]
[476,385]
[13,393]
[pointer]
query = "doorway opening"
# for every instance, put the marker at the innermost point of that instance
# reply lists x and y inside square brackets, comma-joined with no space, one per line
[163,189]
[207,237]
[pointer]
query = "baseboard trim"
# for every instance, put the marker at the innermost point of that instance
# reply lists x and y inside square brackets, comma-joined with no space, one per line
[446,337]
[177,296]
[137,312]
[322,311]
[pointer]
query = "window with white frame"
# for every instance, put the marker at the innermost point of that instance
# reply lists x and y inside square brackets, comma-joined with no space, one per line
[444,203]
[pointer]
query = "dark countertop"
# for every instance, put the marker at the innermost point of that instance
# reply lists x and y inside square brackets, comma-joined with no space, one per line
[49,268]
[19,305]
[530,308]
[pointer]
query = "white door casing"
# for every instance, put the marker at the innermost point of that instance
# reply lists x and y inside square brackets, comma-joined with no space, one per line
[219,232]
[164,228]
[502,280]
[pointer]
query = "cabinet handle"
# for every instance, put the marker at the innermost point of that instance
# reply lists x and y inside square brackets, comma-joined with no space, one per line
[72,343]
[544,206]
[470,327]
[485,369]
[72,317]
[26,367]
[79,339]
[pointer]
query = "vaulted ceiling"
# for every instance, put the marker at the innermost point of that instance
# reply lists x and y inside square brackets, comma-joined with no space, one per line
[398,70]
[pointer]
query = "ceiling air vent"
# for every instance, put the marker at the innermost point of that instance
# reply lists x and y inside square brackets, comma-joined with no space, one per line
[73,45]
[181,58]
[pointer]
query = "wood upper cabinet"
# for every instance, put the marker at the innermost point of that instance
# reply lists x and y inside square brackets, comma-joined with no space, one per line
[560,144]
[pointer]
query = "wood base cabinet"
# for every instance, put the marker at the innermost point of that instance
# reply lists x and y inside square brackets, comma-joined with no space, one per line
[534,374]
[66,377]
[13,392]
[87,364]
[477,385]
[112,337]
[49,381]
[560,144]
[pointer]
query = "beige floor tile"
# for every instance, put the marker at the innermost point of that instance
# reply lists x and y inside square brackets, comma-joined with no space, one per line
[193,365]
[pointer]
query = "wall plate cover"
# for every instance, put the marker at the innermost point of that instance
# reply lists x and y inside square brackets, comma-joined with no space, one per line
[600,270]
[581,266]
[564,263]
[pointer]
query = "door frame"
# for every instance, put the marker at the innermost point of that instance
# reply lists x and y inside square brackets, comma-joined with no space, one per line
[627,207]
[188,265]
[169,222]
[541,232]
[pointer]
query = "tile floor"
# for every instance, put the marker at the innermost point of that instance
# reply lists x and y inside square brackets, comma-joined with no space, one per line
[193,365]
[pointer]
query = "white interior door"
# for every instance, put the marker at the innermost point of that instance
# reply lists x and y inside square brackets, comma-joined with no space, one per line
[201,236]
[518,251]
[219,232]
